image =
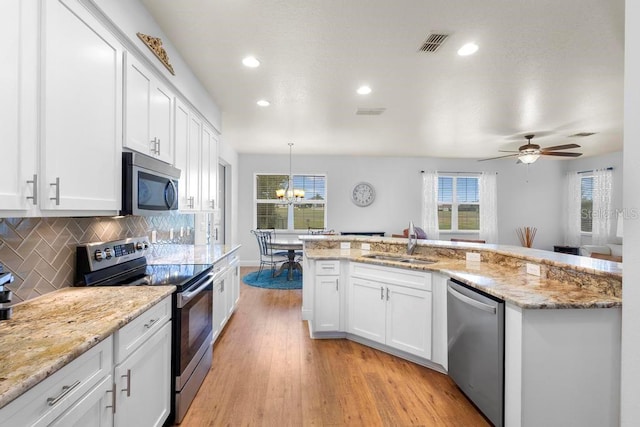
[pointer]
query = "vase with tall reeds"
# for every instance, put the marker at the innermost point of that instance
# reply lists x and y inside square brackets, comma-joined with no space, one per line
[526,235]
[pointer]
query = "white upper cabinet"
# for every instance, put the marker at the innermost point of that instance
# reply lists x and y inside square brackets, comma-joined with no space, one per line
[81,111]
[182,153]
[18,105]
[196,148]
[148,112]
[209,169]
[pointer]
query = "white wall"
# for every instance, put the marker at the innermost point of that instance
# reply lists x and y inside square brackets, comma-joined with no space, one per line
[630,410]
[527,196]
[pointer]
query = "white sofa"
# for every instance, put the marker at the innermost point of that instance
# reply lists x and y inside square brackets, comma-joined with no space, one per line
[610,249]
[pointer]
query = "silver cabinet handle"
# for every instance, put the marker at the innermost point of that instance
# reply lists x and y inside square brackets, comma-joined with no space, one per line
[192,201]
[155,146]
[150,324]
[381,292]
[57,197]
[65,390]
[337,280]
[387,294]
[128,389]
[113,398]
[222,286]
[212,203]
[34,181]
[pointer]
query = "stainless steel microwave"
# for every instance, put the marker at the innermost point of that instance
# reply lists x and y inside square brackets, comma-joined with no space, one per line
[149,186]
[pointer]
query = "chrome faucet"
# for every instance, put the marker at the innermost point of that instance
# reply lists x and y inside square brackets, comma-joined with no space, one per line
[413,239]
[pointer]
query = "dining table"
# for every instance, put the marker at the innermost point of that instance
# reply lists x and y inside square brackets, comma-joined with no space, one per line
[293,246]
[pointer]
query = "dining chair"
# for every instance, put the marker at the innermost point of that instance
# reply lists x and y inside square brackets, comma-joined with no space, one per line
[274,236]
[267,256]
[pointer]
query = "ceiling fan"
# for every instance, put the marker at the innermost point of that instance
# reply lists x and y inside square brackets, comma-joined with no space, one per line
[529,153]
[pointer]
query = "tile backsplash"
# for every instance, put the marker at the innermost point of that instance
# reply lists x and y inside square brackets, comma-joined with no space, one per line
[40,252]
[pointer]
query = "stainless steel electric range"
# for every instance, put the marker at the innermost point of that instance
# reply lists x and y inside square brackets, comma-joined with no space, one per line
[123,263]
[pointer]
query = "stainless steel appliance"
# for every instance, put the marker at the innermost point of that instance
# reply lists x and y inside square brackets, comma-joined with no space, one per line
[5,295]
[149,186]
[475,325]
[123,263]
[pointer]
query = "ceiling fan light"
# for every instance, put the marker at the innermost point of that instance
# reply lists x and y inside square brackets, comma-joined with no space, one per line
[528,158]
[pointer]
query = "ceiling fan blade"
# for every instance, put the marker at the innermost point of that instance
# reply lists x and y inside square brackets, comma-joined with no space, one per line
[561,154]
[560,147]
[508,151]
[499,157]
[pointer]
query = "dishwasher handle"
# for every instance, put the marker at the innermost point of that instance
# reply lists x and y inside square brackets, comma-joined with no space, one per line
[470,301]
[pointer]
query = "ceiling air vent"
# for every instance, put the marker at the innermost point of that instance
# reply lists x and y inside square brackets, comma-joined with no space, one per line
[581,134]
[433,42]
[370,111]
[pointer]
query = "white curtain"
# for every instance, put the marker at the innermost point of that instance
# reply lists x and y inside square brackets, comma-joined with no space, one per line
[430,205]
[489,207]
[572,209]
[602,183]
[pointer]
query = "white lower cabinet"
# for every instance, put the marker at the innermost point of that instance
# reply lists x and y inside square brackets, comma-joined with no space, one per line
[143,382]
[60,396]
[327,301]
[91,410]
[220,297]
[392,307]
[367,309]
[91,391]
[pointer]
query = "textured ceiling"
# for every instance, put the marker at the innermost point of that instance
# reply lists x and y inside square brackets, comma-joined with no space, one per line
[553,68]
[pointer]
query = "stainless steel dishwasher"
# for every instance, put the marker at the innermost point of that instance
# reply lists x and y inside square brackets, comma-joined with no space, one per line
[475,325]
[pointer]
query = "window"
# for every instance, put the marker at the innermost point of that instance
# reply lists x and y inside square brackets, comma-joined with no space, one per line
[586,204]
[458,203]
[308,211]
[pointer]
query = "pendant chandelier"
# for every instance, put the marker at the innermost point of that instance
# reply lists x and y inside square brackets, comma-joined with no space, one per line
[289,194]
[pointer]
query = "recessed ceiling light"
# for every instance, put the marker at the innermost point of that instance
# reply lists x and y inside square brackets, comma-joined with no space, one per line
[263,103]
[468,49]
[251,62]
[364,90]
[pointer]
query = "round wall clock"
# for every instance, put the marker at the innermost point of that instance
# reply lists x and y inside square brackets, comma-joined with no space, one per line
[363,194]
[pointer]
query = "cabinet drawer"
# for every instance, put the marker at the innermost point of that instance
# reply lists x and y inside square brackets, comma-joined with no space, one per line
[396,276]
[54,395]
[329,267]
[132,335]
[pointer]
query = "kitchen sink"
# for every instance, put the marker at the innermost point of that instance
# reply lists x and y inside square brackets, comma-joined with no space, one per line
[402,259]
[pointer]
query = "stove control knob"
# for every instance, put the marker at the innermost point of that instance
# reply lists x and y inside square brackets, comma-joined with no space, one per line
[139,246]
[98,255]
[146,245]
[108,253]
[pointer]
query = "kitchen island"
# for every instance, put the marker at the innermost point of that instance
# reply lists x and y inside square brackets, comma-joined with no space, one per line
[562,323]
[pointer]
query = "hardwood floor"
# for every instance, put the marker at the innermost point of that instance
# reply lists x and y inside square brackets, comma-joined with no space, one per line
[268,372]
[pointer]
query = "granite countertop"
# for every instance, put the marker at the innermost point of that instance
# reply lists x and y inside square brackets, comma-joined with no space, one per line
[506,282]
[189,254]
[46,333]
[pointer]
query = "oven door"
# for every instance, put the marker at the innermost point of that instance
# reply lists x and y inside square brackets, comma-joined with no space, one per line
[193,328]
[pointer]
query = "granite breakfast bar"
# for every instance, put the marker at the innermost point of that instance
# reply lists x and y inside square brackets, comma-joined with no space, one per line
[562,327]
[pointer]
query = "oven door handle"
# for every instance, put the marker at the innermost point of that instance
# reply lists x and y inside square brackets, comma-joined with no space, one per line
[184,297]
